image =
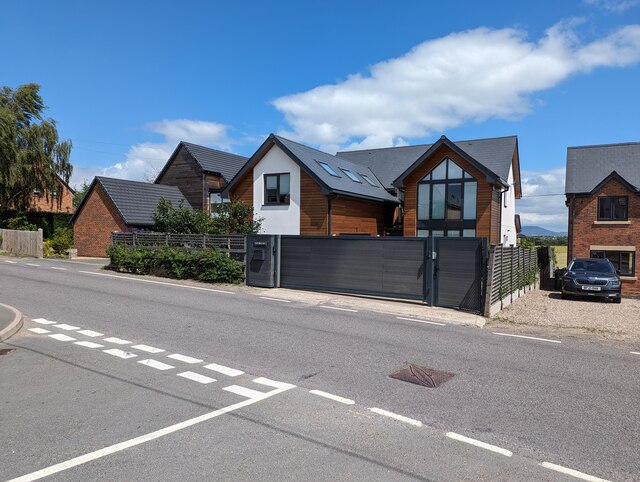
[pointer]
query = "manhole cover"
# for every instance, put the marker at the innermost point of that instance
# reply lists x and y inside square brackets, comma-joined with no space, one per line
[5,351]
[418,375]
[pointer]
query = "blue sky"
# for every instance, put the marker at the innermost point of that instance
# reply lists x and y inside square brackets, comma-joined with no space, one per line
[127,80]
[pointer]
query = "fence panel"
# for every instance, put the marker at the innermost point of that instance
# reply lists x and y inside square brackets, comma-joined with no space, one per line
[512,270]
[27,243]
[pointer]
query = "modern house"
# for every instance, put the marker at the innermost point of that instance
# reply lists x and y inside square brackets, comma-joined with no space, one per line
[117,205]
[603,196]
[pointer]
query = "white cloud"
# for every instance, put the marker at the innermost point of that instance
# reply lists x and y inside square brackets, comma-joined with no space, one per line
[540,206]
[469,76]
[616,6]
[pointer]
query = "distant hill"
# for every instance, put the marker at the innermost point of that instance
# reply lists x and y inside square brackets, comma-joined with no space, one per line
[538,231]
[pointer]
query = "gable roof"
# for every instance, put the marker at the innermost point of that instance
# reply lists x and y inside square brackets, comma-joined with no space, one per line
[135,201]
[494,156]
[588,166]
[308,158]
[209,160]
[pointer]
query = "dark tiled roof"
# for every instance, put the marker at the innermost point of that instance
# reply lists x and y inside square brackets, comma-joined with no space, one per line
[212,160]
[588,166]
[496,154]
[343,184]
[135,201]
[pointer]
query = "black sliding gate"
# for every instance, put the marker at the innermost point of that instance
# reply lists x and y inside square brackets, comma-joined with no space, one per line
[447,272]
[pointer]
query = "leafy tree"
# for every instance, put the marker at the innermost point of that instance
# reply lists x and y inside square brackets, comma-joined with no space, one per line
[31,154]
[180,220]
[80,193]
[234,218]
[20,223]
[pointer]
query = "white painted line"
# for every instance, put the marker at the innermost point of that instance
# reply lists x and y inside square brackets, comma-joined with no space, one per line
[88,344]
[11,262]
[91,333]
[156,364]
[271,383]
[245,392]
[83,459]
[44,321]
[478,443]
[184,358]
[196,377]
[421,321]
[39,331]
[527,337]
[120,353]
[274,299]
[573,473]
[56,267]
[401,418]
[64,326]
[147,348]
[330,396]
[635,352]
[117,341]
[61,337]
[231,372]
[339,309]
[158,282]
[33,264]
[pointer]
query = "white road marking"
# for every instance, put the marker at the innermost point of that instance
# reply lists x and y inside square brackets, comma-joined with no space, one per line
[421,321]
[120,353]
[196,377]
[39,331]
[573,473]
[88,344]
[184,358]
[117,341]
[33,264]
[61,337]
[56,267]
[339,309]
[635,352]
[147,348]
[401,418]
[330,396]
[271,383]
[478,443]
[231,372]
[158,282]
[44,321]
[91,333]
[11,262]
[527,337]
[83,459]
[274,299]
[156,364]
[245,392]
[64,326]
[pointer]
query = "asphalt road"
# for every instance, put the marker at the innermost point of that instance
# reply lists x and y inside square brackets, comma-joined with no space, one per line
[93,397]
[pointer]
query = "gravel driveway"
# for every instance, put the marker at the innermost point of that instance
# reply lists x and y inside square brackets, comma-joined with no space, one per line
[541,311]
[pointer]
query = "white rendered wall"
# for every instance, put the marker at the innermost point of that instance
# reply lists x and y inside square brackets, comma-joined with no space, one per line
[508,235]
[283,218]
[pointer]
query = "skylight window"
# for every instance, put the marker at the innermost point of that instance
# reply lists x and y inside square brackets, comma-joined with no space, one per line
[351,175]
[328,168]
[368,179]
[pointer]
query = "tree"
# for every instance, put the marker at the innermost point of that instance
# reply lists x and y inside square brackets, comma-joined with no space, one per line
[81,192]
[31,154]
[234,218]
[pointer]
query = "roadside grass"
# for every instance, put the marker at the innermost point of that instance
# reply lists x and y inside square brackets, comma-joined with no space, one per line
[561,256]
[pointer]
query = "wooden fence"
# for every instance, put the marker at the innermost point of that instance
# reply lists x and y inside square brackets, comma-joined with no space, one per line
[27,243]
[512,272]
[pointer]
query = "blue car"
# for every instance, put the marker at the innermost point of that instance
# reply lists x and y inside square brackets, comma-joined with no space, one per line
[592,277]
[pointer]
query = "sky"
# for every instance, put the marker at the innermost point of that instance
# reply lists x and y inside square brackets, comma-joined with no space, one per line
[126,81]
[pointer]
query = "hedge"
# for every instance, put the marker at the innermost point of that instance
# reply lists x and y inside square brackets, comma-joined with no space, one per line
[47,221]
[208,265]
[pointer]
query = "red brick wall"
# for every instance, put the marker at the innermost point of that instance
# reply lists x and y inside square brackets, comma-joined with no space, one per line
[61,203]
[95,223]
[588,232]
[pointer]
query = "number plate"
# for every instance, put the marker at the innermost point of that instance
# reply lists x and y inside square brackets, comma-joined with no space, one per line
[591,288]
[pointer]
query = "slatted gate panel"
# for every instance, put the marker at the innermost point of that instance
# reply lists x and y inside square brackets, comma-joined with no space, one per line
[459,273]
[378,266]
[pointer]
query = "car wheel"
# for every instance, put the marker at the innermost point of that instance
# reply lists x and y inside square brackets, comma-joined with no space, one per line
[617,300]
[565,296]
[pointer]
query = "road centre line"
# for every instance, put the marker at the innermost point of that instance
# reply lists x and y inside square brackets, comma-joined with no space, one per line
[527,337]
[635,352]
[61,337]
[478,443]
[573,473]
[231,372]
[57,267]
[184,358]
[10,262]
[39,331]
[395,416]
[330,396]
[117,341]
[90,333]
[158,282]
[196,377]
[88,344]
[274,299]
[64,326]
[156,364]
[421,321]
[120,353]
[33,264]
[83,459]
[245,392]
[339,309]
[271,383]
[148,349]
[44,321]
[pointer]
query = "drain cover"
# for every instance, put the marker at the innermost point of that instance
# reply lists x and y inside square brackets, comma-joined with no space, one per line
[425,377]
[5,351]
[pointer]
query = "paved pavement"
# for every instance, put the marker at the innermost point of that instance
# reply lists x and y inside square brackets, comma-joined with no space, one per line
[118,371]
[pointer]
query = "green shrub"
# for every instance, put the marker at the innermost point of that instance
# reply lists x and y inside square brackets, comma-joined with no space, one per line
[20,223]
[61,240]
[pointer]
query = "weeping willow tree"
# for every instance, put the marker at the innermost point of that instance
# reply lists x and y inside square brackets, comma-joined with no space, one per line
[32,157]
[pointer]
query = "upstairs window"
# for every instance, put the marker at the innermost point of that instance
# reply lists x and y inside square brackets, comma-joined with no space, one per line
[350,175]
[328,168]
[215,201]
[612,208]
[277,188]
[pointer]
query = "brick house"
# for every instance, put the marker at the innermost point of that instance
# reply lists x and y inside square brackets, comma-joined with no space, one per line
[603,196]
[117,205]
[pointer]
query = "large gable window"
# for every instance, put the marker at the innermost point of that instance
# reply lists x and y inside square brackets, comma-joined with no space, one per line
[277,188]
[447,201]
[612,208]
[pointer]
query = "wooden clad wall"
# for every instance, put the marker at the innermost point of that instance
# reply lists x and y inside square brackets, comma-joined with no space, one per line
[185,173]
[313,207]
[357,216]
[494,236]
[484,219]
[243,190]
